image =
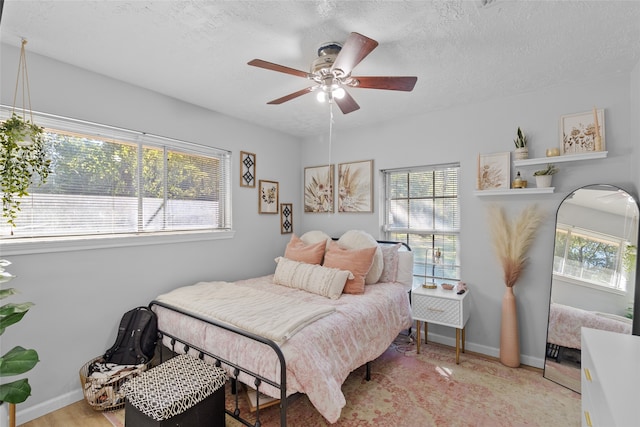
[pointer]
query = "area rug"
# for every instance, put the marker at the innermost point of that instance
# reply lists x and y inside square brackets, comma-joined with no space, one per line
[429,389]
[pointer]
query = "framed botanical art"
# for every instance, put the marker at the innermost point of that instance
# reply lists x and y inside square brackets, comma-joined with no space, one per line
[286,218]
[494,171]
[267,197]
[355,186]
[318,188]
[582,132]
[247,169]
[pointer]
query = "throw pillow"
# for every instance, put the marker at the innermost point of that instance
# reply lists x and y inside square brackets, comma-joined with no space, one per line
[327,282]
[297,250]
[390,257]
[357,239]
[357,261]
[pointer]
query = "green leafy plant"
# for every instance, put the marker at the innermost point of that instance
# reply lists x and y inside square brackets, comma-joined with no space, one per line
[549,170]
[521,140]
[23,162]
[18,360]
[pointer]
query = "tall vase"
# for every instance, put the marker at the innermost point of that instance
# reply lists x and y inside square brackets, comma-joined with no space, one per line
[509,340]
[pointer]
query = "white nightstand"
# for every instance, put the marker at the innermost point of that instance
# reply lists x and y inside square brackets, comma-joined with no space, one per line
[441,307]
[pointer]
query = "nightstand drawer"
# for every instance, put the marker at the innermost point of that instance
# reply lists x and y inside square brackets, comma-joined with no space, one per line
[436,310]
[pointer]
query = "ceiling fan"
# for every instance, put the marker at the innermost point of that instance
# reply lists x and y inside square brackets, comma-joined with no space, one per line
[331,72]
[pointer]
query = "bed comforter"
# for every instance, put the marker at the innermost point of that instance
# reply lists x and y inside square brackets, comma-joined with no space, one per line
[565,324]
[320,356]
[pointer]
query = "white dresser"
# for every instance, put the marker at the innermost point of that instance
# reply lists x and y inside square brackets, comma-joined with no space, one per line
[610,379]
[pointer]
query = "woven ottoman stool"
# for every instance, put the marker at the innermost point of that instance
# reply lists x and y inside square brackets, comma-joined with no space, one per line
[183,391]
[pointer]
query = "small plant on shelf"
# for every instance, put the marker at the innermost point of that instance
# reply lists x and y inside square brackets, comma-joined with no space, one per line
[549,170]
[521,140]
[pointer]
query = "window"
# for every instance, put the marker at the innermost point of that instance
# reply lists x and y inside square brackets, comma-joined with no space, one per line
[592,258]
[422,209]
[107,181]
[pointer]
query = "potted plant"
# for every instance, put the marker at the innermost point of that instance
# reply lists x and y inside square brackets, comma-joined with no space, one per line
[544,176]
[18,360]
[521,152]
[23,162]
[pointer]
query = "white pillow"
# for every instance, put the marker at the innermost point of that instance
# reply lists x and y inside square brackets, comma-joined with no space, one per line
[311,237]
[357,239]
[405,269]
[324,281]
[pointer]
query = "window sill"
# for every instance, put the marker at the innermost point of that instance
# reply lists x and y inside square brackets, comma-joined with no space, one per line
[583,283]
[69,244]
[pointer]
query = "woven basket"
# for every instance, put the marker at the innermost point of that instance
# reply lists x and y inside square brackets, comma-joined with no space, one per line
[104,394]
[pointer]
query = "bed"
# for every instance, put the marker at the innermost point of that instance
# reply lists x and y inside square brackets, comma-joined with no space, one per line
[328,338]
[565,323]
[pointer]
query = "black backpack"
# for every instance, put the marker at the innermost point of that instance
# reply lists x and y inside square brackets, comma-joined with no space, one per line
[136,340]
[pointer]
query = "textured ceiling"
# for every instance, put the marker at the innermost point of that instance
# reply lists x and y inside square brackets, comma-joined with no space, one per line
[461,51]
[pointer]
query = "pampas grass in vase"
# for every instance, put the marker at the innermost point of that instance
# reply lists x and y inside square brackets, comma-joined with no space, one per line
[511,241]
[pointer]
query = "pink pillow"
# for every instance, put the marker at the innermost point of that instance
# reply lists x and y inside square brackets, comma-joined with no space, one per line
[357,261]
[297,250]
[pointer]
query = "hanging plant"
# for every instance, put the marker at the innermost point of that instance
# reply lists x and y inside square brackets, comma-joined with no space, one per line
[18,360]
[23,162]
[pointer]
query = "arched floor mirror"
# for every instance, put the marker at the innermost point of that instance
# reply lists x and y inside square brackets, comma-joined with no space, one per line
[594,275]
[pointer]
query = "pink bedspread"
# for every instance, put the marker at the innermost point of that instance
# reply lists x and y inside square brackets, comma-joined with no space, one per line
[320,356]
[565,324]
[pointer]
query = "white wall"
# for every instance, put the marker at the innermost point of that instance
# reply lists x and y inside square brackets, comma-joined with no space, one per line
[458,135]
[635,118]
[80,296]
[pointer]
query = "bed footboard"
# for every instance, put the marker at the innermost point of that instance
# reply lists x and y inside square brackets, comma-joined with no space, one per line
[180,344]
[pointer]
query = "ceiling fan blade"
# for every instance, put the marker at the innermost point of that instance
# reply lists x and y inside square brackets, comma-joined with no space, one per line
[347,104]
[280,68]
[354,50]
[388,83]
[292,95]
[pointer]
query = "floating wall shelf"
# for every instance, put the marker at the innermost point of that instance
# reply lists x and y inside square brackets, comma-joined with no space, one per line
[514,191]
[561,159]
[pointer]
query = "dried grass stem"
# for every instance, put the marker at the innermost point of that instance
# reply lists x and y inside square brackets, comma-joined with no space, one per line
[512,239]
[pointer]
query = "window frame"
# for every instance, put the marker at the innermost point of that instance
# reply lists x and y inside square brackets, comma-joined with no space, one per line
[32,245]
[389,230]
[596,236]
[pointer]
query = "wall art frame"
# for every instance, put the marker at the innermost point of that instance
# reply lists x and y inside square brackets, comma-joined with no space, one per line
[286,218]
[247,169]
[268,193]
[494,171]
[318,189]
[355,186]
[578,132]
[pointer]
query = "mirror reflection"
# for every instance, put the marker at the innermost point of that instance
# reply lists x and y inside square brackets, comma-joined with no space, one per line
[594,273]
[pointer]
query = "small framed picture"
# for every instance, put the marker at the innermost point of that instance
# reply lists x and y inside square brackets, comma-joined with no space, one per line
[355,186]
[286,218]
[582,132]
[494,171]
[267,197]
[247,169]
[318,189]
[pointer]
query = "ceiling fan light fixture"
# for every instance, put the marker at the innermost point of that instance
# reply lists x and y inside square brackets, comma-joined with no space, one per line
[322,96]
[338,93]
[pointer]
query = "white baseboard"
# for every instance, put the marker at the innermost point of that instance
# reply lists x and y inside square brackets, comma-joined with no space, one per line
[535,362]
[36,411]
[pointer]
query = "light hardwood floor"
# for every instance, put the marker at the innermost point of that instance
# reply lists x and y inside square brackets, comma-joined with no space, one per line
[77,414]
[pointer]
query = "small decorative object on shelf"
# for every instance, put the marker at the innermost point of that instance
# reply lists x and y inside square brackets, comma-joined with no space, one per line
[544,176]
[521,151]
[518,182]
[553,152]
